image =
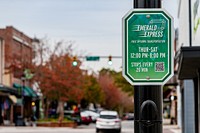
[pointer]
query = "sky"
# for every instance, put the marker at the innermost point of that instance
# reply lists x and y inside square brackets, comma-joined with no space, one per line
[95,26]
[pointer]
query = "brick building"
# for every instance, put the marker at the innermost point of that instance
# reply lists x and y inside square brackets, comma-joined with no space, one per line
[17,57]
[1,59]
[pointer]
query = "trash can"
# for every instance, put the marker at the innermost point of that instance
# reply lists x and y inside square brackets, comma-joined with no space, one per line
[19,121]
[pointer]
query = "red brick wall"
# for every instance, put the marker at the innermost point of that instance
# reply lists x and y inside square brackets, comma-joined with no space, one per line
[18,55]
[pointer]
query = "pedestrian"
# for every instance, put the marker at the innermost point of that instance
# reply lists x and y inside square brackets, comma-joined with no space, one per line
[33,120]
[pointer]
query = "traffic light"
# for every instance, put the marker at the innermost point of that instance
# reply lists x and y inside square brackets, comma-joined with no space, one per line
[74,63]
[110,60]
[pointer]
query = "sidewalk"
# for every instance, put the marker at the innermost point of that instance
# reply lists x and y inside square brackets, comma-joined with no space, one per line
[171,129]
[168,128]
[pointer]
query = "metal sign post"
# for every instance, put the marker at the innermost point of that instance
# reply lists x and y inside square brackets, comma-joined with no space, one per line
[147,61]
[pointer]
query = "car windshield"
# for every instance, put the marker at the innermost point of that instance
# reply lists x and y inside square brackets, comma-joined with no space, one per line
[108,116]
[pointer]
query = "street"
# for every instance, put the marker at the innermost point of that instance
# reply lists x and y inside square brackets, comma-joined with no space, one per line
[127,127]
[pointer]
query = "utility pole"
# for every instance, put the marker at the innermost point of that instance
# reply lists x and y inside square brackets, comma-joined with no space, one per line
[148,98]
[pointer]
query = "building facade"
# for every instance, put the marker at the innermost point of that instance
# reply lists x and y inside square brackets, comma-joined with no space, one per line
[16,58]
[188,63]
[1,59]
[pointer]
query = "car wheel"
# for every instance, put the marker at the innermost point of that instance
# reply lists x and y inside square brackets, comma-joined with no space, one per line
[119,130]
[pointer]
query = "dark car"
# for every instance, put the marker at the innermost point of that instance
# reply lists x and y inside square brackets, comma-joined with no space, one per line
[129,116]
[85,118]
[71,115]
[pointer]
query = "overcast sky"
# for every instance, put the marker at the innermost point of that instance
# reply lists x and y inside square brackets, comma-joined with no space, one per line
[94,25]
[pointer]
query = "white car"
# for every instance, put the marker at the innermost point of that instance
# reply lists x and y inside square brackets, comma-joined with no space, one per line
[108,120]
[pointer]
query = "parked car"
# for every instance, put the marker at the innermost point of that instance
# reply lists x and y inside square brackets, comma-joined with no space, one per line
[71,115]
[85,118]
[128,116]
[94,115]
[108,120]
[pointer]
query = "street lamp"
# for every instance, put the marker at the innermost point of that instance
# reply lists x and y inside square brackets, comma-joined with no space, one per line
[22,94]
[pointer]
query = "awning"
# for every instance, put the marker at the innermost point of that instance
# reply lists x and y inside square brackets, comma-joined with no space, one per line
[8,89]
[13,98]
[27,91]
[189,59]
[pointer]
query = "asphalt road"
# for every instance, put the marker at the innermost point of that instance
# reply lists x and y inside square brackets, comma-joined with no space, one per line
[127,127]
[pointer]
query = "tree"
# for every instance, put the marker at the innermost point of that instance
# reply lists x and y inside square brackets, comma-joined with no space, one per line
[119,81]
[56,76]
[123,84]
[115,97]
[92,91]
[111,92]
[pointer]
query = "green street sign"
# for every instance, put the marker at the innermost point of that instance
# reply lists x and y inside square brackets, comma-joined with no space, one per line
[92,58]
[148,46]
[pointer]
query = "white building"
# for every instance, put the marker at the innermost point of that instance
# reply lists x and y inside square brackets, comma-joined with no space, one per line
[188,62]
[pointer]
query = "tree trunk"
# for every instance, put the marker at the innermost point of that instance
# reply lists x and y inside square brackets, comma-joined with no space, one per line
[60,111]
[47,108]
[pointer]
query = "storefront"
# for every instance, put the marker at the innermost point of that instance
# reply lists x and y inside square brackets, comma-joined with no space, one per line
[27,96]
[8,99]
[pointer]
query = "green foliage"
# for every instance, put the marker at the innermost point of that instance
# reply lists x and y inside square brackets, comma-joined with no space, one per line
[119,80]
[107,71]
[123,84]
[92,90]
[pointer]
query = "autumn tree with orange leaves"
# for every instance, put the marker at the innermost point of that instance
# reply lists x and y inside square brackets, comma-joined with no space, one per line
[60,81]
[115,97]
[56,77]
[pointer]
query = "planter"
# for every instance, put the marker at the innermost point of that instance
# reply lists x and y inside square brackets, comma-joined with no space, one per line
[57,124]
[68,124]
